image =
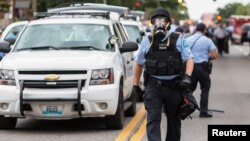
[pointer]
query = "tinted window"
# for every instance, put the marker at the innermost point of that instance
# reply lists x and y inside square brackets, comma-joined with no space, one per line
[133,33]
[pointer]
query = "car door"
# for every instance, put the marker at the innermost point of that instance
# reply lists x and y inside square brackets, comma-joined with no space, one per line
[127,62]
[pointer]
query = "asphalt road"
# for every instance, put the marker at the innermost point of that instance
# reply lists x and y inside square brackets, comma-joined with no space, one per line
[230,92]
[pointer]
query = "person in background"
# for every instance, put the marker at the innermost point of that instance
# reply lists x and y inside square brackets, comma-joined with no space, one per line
[230,29]
[179,30]
[203,50]
[220,35]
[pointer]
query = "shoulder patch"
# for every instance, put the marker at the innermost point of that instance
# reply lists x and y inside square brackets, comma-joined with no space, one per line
[184,43]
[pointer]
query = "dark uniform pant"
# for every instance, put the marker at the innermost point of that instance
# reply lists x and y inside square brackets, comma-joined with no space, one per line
[201,75]
[221,45]
[154,99]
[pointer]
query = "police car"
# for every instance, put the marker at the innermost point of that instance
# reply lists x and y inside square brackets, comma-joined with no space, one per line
[135,34]
[68,65]
[129,19]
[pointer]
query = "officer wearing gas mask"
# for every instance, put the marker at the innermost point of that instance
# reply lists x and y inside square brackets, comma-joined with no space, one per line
[163,56]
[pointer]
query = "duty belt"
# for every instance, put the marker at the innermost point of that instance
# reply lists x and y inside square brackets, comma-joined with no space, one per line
[162,83]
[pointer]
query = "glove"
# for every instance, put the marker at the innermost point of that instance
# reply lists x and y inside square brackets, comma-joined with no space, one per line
[185,82]
[137,90]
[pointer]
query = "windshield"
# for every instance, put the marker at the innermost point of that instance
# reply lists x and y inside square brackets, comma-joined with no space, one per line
[133,33]
[64,36]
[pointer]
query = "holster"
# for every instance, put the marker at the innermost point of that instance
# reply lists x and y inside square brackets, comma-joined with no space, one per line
[207,66]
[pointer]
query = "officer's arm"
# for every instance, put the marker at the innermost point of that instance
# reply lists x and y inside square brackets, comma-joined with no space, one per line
[140,60]
[213,54]
[213,50]
[189,66]
[186,54]
[137,74]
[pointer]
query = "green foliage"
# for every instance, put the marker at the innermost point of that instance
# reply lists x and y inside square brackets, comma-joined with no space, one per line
[43,5]
[172,6]
[4,7]
[234,9]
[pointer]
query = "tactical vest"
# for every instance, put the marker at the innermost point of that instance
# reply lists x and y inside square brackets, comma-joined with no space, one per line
[162,59]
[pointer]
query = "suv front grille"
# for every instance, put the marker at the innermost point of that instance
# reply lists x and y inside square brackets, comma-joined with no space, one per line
[52,84]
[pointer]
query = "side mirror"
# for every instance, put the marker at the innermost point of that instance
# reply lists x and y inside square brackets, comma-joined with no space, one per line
[10,40]
[128,47]
[4,47]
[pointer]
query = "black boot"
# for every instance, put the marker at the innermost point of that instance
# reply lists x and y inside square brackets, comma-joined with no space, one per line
[205,115]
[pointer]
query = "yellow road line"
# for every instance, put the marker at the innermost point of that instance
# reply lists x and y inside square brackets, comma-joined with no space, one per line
[140,133]
[132,124]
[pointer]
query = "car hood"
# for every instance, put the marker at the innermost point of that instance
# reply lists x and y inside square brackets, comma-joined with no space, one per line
[54,60]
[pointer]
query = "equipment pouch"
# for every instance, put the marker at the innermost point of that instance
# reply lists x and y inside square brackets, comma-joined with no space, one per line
[151,66]
[162,68]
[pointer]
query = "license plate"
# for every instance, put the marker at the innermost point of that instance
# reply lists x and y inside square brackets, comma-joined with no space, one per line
[52,110]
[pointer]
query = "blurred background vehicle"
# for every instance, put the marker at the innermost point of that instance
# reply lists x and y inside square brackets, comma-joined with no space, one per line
[12,31]
[238,21]
[245,37]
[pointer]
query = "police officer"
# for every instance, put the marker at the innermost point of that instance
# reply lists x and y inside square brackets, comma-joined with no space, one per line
[163,55]
[203,49]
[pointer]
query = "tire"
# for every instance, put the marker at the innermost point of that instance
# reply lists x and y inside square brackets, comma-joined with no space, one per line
[131,111]
[116,121]
[7,123]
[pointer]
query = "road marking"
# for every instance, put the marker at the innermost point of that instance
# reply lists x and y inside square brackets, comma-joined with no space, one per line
[140,133]
[125,133]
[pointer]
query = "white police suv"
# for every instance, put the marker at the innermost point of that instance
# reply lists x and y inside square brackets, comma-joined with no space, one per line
[68,65]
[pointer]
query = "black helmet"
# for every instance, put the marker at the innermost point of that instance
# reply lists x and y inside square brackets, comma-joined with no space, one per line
[161,11]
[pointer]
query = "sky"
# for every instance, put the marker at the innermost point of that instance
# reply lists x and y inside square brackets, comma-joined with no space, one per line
[197,7]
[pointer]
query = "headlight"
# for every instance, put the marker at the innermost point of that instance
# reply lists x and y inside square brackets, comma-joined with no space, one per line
[102,77]
[7,77]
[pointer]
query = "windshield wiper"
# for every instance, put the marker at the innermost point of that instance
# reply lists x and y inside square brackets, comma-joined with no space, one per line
[39,48]
[82,48]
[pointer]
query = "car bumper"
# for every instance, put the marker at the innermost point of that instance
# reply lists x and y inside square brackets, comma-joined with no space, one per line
[93,98]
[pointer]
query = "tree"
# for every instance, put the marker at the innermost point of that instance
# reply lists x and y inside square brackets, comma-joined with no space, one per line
[4,6]
[233,9]
[173,6]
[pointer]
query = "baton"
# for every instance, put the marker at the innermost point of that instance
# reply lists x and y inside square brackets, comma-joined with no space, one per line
[215,110]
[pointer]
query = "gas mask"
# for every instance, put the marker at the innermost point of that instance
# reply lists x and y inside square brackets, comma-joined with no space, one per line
[160,27]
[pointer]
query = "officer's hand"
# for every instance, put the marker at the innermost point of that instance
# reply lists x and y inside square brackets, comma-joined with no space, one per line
[137,90]
[185,82]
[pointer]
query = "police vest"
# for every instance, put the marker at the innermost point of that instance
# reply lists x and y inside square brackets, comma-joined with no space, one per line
[162,59]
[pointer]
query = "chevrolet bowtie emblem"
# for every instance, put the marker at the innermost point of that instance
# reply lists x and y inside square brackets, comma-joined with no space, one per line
[51,77]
